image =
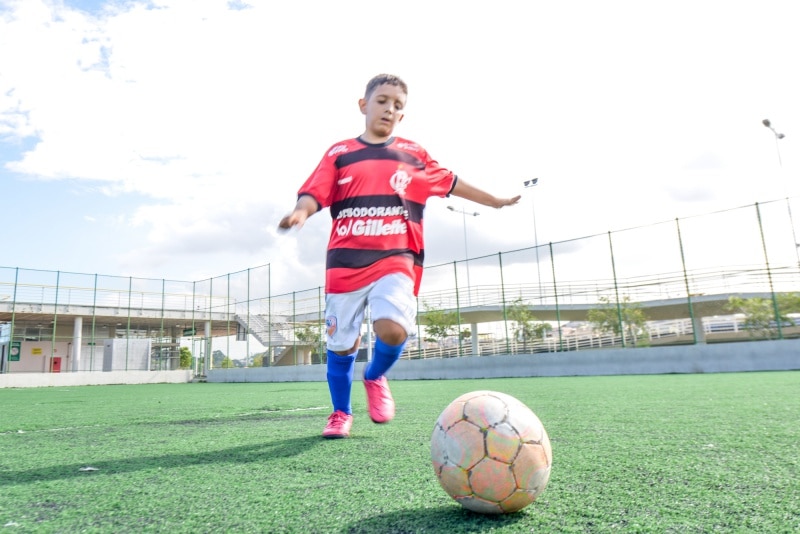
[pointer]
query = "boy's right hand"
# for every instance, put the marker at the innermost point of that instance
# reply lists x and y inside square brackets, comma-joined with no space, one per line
[306,206]
[296,218]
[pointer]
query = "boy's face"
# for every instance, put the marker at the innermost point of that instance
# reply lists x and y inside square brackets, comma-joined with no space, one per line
[383,110]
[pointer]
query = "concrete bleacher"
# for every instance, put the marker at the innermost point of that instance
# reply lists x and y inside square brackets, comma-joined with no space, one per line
[265,329]
[278,334]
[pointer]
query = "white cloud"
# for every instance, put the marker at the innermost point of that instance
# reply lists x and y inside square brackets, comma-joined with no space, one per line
[208,114]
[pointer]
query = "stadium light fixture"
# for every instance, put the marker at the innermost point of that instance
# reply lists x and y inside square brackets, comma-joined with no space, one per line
[778,136]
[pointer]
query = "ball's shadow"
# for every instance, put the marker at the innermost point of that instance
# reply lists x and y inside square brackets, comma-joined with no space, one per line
[451,519]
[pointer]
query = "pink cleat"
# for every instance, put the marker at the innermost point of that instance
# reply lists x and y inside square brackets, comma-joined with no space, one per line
[380,403]
[338,426]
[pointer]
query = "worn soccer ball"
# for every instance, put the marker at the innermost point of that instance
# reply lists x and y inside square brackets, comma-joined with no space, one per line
[491,453]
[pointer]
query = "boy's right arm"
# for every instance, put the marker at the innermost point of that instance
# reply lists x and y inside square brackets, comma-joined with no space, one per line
[306,207]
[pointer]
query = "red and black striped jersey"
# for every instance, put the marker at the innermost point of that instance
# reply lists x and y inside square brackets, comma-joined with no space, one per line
[377,196]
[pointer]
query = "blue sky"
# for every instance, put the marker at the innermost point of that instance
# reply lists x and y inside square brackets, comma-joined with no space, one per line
[166,138]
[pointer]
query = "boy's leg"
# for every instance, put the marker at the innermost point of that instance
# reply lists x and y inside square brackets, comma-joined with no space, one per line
[380,403]
[344,315]
[393,309]
[340,380]
[385,354]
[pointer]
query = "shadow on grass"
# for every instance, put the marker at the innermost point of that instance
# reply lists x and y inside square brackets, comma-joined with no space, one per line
[451,519]
[235,455]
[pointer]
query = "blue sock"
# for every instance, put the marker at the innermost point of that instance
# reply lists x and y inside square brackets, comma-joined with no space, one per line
[383,357]
[340,380]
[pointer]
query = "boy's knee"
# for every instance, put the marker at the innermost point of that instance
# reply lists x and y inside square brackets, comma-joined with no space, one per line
[351,350]
[390,332]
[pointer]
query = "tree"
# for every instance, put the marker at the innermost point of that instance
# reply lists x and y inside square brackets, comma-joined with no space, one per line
[217,357]
[760,312]
[312,334]
[227,363]
[789,302]
[439,324]
[525,327]
[607,319]
[258,360]
[185,358]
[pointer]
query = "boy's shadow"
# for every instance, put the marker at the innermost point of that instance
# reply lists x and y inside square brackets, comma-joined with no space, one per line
[266,452]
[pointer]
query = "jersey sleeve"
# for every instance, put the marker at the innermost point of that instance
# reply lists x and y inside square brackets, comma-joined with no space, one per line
[441,180]
[320,185]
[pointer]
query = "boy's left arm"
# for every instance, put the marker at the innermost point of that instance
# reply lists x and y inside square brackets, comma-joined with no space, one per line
[470,192]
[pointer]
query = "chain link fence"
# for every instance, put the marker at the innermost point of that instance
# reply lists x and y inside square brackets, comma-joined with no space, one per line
[680,274]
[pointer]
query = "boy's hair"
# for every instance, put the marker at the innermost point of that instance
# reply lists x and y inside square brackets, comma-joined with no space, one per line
[382,79]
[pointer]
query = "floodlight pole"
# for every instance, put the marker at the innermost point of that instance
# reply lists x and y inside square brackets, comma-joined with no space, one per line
[778,137]
[529,184]
[466,251]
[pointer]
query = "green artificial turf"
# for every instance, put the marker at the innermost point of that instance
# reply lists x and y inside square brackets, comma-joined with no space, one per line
[674,453]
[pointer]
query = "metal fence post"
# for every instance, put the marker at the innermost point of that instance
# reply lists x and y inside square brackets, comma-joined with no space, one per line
[769,273]
[128,327]
[555,295]
[94,322]
[616,290]
[686,283]
[458,307]
[55,318]
[503,297]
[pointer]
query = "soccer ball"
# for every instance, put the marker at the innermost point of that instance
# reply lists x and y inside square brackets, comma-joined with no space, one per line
[491,453]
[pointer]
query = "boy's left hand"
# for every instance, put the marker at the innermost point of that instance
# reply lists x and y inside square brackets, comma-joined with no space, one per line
[508,201]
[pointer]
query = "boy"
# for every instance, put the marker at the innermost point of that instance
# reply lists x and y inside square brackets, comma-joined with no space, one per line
[376,187]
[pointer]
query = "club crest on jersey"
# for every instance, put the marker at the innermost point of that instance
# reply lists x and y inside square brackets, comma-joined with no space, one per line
[399,181]
[330,324]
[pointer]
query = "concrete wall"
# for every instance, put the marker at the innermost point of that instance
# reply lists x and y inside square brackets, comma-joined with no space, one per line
[27,380]
[36,356]
[126,354]
[780,355]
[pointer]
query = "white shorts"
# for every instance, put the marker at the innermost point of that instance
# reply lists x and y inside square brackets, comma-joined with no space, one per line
[389,297]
